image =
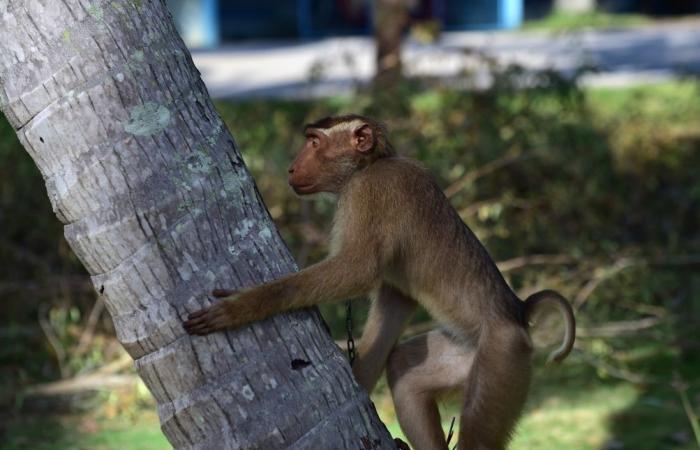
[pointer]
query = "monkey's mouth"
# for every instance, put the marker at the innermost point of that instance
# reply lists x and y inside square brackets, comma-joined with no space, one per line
[302,189]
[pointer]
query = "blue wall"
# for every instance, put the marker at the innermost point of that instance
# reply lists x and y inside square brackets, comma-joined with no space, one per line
[197,21]
[207,22]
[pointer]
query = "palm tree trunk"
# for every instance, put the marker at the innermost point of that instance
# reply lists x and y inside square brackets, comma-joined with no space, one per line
[391,18]
[160,208]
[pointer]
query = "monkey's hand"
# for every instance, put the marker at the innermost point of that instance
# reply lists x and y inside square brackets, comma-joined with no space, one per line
[231,311]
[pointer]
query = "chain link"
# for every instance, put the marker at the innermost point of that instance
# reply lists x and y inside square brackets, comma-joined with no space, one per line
[348,326]
[452,429]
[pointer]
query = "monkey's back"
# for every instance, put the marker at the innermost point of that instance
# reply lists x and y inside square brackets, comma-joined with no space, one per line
[431,253]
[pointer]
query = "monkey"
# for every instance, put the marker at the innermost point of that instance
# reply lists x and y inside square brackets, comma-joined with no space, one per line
[396,237]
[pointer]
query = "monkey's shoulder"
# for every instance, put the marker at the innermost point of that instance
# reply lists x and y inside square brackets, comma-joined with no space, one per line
[397,174]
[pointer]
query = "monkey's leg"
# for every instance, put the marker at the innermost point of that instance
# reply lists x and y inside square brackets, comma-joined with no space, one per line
[387,318]
[418,370]
[496,389]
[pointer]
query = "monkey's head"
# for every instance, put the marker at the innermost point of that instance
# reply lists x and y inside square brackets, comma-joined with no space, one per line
[335,148]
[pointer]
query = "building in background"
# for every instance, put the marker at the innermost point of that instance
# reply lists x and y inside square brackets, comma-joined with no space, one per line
[207,23]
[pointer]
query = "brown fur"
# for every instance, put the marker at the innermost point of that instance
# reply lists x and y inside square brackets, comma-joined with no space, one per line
[396,236]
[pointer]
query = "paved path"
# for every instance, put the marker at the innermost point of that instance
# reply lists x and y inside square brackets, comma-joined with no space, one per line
[636,55]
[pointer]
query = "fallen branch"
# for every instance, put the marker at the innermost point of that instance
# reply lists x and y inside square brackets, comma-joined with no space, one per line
[82,383]
[104,377]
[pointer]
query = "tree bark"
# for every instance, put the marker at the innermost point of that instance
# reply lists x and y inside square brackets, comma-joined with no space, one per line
[160,208]
[391,17]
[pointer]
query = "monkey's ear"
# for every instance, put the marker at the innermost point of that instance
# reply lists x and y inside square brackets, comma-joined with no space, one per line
[363,138]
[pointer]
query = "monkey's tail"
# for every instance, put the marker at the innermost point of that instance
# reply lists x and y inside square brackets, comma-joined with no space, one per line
[555,299]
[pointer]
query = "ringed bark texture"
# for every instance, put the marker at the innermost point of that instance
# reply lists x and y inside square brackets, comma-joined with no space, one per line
[160,208]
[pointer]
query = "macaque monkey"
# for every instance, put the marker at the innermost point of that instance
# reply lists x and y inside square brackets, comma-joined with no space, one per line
[396,237]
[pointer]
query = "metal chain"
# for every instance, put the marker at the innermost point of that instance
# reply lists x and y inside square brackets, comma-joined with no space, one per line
[451,432]
[348,326]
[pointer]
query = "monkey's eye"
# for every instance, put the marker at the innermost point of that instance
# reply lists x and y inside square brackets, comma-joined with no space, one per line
[314,142]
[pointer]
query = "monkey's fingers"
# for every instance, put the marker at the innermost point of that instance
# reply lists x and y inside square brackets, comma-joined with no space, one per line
[198,323]
[199,329]
[197,314]
[222,292]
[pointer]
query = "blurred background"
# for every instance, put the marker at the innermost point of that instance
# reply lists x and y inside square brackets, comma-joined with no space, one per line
[565,132]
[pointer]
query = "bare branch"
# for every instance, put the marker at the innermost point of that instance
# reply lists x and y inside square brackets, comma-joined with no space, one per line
[102,378]
[89,332]
[622,327]
[643,309]
[479,172]
[58,349]
[602,274]
[531,260]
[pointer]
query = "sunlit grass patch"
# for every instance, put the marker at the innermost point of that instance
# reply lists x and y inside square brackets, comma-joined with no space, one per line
[560,21]
[557,423]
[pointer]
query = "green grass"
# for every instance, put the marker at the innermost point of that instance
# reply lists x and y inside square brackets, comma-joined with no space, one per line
[599,20]
[670,103]
[654,127]
[557,422]
[76,432]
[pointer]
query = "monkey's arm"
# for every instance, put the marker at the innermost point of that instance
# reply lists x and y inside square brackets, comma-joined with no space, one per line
[386,321]
[345,275]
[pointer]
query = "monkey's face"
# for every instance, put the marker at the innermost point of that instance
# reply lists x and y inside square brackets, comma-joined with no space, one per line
[330,157]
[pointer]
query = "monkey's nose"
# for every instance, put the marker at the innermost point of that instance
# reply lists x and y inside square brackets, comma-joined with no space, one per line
[291,169]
